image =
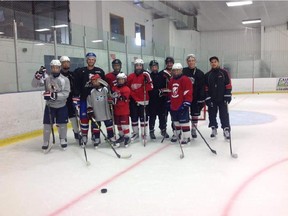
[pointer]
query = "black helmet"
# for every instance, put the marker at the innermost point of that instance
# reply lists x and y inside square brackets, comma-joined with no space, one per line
[153,63]
[116,61]
[169,59]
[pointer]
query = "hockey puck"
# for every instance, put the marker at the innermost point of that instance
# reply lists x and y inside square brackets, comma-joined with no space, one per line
[103,190]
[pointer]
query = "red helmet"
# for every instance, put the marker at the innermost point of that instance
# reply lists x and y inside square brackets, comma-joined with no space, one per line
[95,77]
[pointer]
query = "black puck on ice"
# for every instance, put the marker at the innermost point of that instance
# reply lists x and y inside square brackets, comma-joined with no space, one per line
[103,190]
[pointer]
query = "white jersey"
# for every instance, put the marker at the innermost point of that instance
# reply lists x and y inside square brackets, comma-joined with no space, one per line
[98,100]
[60,84]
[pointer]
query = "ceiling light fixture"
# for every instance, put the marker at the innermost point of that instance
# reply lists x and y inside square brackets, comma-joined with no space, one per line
[42,30]
[251,21]
[96,41]
[1,33]
[60,26]
[238,3]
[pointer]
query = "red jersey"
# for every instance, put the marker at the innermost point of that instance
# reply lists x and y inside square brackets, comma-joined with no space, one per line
[122,106]
[181,91]
[111,79]
[136,84]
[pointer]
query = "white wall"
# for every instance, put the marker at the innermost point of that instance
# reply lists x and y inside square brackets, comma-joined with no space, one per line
[23,112]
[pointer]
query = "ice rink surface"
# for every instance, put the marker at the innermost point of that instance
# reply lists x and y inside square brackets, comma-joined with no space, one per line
[155,181]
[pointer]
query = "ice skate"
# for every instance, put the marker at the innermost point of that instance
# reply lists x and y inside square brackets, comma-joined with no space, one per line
[164,134]
[214,132]
[127,141]
[152,135]
[97,142]
[226,133]
[193,133]
[84,140]
[134,136]
[118,142]
[63,143]
[184,142]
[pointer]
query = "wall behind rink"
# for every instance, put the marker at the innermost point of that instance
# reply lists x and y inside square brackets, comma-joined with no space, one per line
[23,112]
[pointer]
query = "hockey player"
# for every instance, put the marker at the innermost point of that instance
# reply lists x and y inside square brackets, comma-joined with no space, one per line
[121,94]
[197,78]
[139,83]
[57,89]
[169,61]
[181,97]
[218,89]
[98,108]
[157,100]
[82,89]
[111,77]
[65,66]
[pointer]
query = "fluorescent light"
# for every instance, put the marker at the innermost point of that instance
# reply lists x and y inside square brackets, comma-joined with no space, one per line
[42,30]
[251,21]
[96,41]
[1,33]
[60,26]
[238,3]
[39,44]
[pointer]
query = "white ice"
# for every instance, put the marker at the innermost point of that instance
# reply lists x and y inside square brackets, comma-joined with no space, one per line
[155,181]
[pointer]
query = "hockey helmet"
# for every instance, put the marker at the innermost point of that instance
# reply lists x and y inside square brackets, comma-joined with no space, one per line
[55,62]
[177,66]
[190,56]
[139,61]
[169,59]
[153,63]
[64,58]
[116,61]
[95,77]
[90,55]
[121,76]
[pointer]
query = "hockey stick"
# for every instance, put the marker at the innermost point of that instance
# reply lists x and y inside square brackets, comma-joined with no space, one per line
[212,150]
[181,148]
[107,140]
[233,155]
[50,116]
[144,138]
[80,135]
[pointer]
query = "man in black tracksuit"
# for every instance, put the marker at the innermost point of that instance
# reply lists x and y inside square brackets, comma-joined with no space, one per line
[157,100]
[197,78]
[218,95]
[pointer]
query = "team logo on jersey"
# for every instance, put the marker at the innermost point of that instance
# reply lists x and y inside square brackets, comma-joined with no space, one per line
[175,88]
[136,86]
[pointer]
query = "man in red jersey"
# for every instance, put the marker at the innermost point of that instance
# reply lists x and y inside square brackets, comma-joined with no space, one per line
[139,83]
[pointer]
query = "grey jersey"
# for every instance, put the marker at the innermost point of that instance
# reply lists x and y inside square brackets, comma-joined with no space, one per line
[59,84]
[98,100]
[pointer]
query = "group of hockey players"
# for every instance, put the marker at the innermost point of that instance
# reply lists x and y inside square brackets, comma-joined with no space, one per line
[88,95]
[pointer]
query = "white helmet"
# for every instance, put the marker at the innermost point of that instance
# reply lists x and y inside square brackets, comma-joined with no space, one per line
[121,76]
[177,66]
[138,61]
[190,56]
[55,62]
[64,58]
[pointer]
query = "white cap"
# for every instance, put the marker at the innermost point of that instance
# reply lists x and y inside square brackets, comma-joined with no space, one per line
[139,61]
[177,66]
[121,76]
[64,58]
[55,62]
[190,56]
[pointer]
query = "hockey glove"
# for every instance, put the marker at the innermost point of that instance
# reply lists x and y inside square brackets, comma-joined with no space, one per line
[38,75]
[184,106]
[164,92]
[90,113]
[227,99]
[50,96]
[76,102]
[147,78]
[122,98]
[209,102]
[200,105]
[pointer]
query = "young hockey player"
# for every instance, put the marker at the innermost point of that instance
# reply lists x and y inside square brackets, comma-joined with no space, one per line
[98,108]
[121,94]
[181,97]
[157,101]
[57,89]
[218,89]
[65,66]
[111,77]
[197,78]
[82,89]
[139,83]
